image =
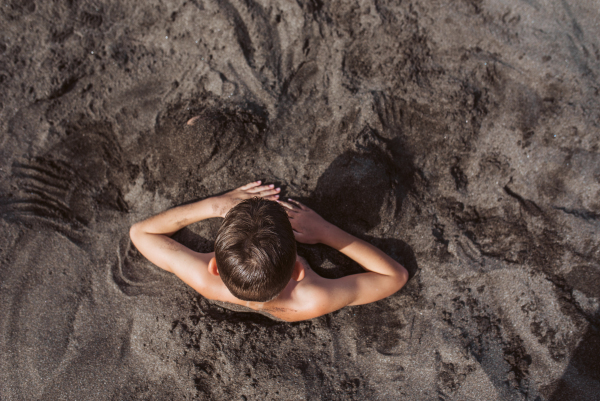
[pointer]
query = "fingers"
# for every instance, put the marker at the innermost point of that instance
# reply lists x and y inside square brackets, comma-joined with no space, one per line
[287,206]
[250,185]
[289,209]
[269,193]
[261,188]
[297,204]
[264,191]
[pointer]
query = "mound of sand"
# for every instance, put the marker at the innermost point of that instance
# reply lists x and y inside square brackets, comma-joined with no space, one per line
[462,137]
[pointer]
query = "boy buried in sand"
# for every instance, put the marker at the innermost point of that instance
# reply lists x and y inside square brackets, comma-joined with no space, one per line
[255,262]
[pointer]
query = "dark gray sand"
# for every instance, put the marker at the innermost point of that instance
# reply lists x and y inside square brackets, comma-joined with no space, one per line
[460,136]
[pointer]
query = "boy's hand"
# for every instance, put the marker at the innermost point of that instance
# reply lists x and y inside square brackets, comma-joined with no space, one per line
[226,201]
[308,226]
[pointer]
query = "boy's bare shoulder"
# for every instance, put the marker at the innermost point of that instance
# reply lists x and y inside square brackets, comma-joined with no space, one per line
[308,299]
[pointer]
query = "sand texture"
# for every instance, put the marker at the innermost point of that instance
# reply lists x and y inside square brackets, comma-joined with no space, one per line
[462,137]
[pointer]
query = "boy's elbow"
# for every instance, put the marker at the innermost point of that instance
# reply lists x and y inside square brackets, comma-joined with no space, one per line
[134,232]
[402,276]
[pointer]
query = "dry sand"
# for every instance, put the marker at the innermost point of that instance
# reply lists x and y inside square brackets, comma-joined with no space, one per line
[460,136]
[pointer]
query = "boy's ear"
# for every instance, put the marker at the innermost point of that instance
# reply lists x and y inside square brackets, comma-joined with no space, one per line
[299,272]
[212,267]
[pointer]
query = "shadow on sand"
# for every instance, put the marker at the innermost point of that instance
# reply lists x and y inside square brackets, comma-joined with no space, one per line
[581,379]
[358,192]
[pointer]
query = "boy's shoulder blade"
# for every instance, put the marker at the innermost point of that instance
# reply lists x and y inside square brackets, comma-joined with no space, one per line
[307,300]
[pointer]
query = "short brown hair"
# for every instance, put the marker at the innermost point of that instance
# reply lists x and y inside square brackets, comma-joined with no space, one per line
[256,250]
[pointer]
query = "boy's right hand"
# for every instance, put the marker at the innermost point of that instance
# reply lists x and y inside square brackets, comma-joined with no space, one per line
[308,226]
[223,203]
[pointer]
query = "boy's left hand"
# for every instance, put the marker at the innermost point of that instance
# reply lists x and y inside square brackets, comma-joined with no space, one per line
[308,226]
[225,202]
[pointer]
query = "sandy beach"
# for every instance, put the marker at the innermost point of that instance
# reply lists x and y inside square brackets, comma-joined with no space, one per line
[461,137]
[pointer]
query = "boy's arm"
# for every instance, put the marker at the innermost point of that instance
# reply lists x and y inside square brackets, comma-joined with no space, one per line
[152,236]
[384,275]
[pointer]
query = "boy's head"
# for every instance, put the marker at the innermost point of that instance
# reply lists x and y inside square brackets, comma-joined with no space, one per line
[255,250]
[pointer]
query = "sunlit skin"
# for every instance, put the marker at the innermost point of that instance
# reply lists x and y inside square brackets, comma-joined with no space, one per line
[307,295]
